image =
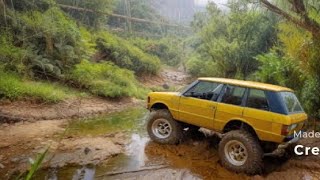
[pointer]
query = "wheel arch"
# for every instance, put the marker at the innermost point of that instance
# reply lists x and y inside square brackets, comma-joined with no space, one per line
[236,124]
[159,105]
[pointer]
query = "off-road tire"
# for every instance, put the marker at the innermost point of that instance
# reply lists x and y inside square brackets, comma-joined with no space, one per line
[176,132]
[254,163]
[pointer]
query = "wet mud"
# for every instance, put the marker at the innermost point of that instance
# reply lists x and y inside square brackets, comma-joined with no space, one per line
[116,146]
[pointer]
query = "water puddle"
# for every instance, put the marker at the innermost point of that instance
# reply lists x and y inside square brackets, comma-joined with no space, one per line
[142,159]
[132,120]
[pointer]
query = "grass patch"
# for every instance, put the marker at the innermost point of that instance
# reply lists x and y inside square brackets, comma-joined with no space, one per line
[126,55]
[12,87]
[106,80]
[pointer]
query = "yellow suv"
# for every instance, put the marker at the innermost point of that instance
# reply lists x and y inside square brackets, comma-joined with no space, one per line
[253,119]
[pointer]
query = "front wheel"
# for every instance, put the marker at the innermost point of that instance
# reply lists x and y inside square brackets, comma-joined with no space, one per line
[239,151]
[162,128]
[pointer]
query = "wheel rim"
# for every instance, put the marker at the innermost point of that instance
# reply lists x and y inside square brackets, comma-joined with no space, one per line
[161,128]
[235,152]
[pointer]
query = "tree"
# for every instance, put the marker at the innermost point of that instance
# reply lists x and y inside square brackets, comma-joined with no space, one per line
[302,13]
[299,48]
[142,9]
[230,41]
[91,19]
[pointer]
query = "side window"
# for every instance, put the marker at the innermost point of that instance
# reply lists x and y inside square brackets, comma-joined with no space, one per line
[205,90]
[233,95]
[257,99]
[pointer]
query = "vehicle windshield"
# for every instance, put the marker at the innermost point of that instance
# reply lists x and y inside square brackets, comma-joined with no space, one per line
[183,88]
[291,101]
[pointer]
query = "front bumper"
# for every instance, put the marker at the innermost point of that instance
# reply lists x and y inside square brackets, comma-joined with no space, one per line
[281,149]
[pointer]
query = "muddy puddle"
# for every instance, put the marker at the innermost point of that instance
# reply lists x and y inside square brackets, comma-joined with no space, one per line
[141,158]
[195,158]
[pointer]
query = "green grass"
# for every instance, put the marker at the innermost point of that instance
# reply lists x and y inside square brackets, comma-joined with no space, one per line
[12,87]
[106,80]
[126,55]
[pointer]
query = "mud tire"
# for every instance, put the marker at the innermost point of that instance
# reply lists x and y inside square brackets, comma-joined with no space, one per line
[176,133]
[253,163]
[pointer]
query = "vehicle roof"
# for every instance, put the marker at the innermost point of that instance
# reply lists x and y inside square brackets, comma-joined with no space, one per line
[250,84]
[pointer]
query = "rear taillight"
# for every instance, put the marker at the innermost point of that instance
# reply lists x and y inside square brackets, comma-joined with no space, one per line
[287,129]
[284,130]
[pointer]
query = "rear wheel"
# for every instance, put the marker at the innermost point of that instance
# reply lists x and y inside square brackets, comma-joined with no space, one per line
[239,151]
[162,128]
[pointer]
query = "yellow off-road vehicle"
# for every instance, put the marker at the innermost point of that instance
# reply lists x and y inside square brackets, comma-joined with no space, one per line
[253,119]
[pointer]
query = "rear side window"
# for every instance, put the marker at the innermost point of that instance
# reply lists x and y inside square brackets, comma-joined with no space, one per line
[291,102]
[233,95]
[257,99]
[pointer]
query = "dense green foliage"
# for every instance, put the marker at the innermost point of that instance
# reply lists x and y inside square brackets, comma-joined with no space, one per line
[139,9]
[126,55]
[91,19]
[169,50]
[290,64]
[230,41]
[43,41]
[106,79]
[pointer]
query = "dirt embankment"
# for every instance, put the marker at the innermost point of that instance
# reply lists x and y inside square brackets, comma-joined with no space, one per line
[71,108]
[87,106]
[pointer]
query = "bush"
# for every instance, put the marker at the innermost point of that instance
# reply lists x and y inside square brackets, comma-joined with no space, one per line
[126,55]
[310,96]
[167,50]
[12,57]
[105,79]
[45,42]
[196,66]
[13,88]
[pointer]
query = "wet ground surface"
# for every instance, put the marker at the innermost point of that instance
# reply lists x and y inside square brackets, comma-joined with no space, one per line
[196,158]
[116,146]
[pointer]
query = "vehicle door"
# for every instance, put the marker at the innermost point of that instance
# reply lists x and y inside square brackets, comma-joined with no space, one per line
[198,104]
[257,112]
[230,105]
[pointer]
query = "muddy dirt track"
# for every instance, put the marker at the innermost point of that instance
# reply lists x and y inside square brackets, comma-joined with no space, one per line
[97,148]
